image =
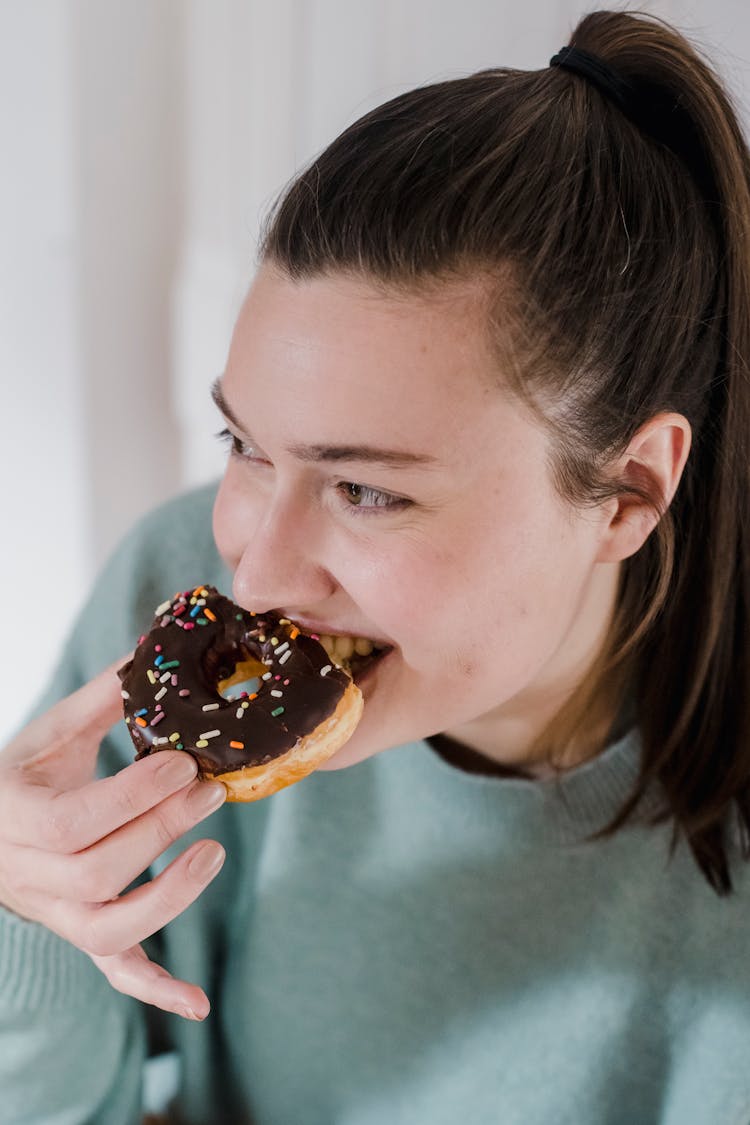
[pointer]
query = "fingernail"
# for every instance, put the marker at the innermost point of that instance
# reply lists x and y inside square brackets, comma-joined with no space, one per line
[207,796]
[207,862]
[176,769]
[187,1012]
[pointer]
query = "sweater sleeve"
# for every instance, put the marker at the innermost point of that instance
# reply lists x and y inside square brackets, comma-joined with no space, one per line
[72,1049]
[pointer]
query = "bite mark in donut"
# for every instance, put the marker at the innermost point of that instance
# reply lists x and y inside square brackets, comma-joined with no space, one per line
[257,702]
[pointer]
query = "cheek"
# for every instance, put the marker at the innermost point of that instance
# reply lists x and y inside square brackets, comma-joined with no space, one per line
[497,601]
[230,519]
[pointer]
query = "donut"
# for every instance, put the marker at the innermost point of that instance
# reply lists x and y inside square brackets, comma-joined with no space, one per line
[256,701]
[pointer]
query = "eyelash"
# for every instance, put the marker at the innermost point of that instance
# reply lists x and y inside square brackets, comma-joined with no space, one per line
[388,502]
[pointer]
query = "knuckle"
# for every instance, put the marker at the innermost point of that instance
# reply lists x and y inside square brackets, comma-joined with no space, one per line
[129,804]
[164,828]
[58,830]
[94,937]
[89,881]
[169,898]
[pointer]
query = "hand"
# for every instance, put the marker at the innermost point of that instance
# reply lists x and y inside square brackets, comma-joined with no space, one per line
[69,844]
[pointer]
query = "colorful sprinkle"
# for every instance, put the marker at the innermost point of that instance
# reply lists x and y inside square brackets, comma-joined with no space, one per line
[151,676]
[209,734]
[175,737]
[163,679]
[278,711]
[157,648]
[162,608]
[277,694]
[210,707]
[141,722]
[294,633]
[159,660]
[201,743]
[282,648]
[267,676]
[170,664]
[160,693]
[158,718]
[209,615]
[143,711]
[125,694]
[285,657]
[324,671]
[184,693]
[237,745]
[240,712]
[189,625]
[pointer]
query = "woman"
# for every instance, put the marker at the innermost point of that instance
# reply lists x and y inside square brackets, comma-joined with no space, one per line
[487,405]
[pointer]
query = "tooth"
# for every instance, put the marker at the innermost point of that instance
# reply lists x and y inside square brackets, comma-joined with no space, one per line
[362,646]
[328,644]
[344,647]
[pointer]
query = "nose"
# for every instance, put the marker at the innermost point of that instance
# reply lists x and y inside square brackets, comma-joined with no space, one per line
[280,564]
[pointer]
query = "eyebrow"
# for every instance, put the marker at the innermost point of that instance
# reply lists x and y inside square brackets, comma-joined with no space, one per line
[396,458]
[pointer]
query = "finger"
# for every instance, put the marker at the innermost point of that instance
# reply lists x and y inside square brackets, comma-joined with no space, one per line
[132,973]
[100,873]
[80,720]
[70,821]
[113,927]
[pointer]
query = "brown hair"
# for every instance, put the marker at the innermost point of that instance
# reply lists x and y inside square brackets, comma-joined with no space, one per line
[630,296]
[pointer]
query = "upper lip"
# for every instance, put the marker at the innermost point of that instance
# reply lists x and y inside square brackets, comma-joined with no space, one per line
[324,630]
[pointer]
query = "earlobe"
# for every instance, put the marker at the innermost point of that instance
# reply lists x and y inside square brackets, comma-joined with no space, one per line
[653,463]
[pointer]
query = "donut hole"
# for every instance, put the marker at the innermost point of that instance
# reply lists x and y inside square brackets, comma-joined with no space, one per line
[243,675]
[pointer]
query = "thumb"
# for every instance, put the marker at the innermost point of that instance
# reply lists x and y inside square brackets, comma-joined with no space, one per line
[80,720]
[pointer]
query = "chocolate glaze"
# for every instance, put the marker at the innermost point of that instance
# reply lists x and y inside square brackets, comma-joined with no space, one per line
[207,635]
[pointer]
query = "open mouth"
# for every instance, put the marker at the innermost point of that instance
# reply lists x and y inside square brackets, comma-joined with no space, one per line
[356,655]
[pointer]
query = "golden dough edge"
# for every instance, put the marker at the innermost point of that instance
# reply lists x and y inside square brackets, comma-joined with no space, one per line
[255,782]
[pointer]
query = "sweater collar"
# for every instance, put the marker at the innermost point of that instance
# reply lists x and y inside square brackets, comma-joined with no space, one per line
[562,810]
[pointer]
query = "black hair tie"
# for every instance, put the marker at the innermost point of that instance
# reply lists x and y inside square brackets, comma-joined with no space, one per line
[656,110]
[600,73]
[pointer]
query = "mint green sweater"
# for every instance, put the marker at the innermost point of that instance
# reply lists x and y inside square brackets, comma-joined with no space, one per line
[397,943]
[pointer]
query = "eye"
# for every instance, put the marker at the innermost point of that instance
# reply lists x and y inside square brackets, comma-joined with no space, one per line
[246,450]
[364,498]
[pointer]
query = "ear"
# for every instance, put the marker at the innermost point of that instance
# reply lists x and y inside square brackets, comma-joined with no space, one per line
[654,460]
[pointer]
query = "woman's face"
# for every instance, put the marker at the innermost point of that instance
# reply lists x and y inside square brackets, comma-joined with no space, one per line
[381,486]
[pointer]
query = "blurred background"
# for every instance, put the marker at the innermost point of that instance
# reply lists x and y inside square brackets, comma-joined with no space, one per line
[142,141]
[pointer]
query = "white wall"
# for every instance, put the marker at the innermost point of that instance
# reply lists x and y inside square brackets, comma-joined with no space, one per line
[142,142]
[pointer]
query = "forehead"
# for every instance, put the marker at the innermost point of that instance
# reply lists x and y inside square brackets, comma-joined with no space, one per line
[341,342]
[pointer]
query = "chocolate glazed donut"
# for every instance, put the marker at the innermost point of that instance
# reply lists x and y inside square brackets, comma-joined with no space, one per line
[257,703]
